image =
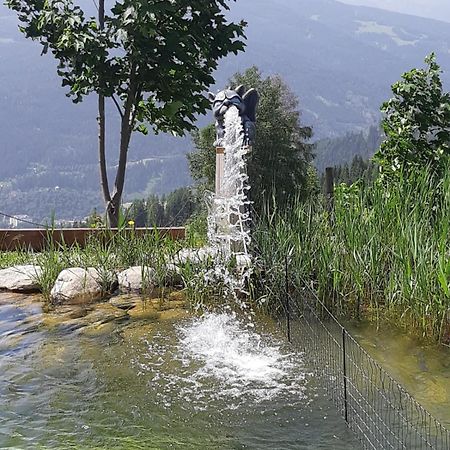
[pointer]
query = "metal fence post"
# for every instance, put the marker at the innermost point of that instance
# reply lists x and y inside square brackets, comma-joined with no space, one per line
[344,358]
[288,311]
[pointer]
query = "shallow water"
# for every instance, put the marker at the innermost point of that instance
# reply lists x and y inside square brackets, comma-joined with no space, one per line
[191,383]
[424,370]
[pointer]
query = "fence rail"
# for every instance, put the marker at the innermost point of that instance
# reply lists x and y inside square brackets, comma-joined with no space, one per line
[37,239]
[375,406]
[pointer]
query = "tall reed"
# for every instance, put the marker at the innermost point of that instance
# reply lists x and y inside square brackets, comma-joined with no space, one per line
[385,250]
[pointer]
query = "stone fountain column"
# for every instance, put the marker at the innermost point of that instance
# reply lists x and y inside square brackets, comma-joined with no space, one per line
[220,166]
[234,111]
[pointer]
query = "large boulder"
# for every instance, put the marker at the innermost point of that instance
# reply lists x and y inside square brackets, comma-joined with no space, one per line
[20,278]
[77,285]
[137,279]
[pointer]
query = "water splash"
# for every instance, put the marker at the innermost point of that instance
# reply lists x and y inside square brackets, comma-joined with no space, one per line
[219,360]
[232,353]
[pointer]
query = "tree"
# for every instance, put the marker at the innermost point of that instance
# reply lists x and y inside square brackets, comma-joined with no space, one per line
[202,162]
[180,206]
[155,211]
[138,213]
[416,124]
[152,58]
[278,164]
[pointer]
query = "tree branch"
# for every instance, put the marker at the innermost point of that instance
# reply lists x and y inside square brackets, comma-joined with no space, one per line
[117,105]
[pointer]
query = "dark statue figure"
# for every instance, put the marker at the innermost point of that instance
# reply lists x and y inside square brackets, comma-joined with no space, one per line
[245,102]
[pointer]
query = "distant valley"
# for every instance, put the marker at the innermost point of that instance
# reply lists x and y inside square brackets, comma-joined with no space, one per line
[339,59]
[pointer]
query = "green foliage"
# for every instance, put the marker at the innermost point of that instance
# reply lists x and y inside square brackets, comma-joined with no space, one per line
[416,124]
[95,220]
[339,151]
[202,161]
[172,210]
[384,253]
[155,211]
[278,165]
[180,205]
[358,170]
[153,58]
[197,230]
[14,258]
[138,213]
[157,54]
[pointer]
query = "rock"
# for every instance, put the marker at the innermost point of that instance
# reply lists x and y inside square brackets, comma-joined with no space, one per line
[20,278]
[144,312]
[195,256]
[125,301]
[104,313]
[173,275]
[137,279]
[70,318]
[77,285]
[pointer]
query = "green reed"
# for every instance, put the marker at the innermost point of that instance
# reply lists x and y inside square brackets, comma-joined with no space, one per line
[384,250]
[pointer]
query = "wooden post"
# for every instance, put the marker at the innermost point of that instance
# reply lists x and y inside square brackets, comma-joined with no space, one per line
[329,188]
[220,165]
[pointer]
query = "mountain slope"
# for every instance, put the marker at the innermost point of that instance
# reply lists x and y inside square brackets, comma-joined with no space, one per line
[340,59]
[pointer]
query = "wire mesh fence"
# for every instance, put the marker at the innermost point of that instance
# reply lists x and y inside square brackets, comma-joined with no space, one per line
[377,408]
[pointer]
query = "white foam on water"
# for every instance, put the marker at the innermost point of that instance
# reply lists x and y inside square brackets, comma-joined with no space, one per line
[244,363]
[218,361]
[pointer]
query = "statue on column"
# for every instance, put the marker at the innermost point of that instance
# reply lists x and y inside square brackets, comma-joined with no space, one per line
[245,102]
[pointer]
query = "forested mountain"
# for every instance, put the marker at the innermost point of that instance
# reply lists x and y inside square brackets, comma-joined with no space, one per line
[340,59]
[338,151]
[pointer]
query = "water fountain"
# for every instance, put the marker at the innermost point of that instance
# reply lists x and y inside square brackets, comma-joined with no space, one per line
[229,218]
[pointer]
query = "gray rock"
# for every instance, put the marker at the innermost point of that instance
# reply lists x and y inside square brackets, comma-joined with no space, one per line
[137,279]
[77,285]
[20,278]
[243,261]
[125,301]
[195,256]
[173,275]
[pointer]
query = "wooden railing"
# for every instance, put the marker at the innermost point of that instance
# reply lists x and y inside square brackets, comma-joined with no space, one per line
[36,239]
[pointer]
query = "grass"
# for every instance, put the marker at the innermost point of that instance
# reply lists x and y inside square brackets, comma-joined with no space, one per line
[108,252]
[385,251]
[205,282]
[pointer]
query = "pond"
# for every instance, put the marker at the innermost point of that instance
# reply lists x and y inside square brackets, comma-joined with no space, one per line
[424,370]
[180,382]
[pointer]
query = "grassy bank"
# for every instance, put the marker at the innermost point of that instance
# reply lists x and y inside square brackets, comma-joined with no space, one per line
[206,279]
[384,252]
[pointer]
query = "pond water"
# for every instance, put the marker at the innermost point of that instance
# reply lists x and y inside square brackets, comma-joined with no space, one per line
[424,370]
[209,382]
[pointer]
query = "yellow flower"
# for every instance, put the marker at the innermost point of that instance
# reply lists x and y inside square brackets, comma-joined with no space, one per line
[131,223]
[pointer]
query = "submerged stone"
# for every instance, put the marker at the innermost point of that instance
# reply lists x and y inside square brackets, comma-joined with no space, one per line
[125,301]
[104,313]
[20,278]
[144,311]
[73,317]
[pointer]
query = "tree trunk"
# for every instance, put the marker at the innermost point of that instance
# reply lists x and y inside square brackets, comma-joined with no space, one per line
[102,123]
[102,148]
[127,123]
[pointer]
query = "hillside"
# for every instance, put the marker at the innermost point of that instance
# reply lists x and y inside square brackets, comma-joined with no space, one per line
[340,59]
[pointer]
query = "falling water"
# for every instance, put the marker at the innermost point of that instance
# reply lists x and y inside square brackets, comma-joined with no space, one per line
[229,217]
